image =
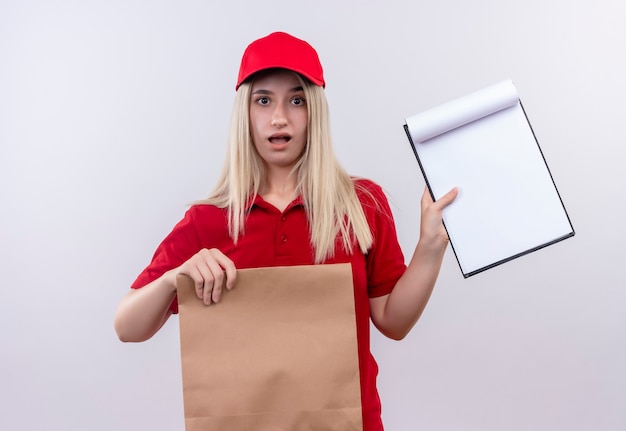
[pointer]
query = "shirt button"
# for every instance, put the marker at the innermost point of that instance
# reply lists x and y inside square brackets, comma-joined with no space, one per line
[283,238]
[283,218]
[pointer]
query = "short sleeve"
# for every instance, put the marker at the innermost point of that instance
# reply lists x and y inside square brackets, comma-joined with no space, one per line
[177,247]
[385,260]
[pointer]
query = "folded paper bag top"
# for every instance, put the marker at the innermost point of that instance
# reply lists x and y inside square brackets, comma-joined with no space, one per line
[278,352]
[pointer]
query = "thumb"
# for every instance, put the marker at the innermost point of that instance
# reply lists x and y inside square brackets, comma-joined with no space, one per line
[448,198]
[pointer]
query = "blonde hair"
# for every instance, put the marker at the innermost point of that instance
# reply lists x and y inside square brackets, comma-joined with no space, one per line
[328,192]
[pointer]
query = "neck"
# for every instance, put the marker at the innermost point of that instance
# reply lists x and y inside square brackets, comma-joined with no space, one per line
[279,188]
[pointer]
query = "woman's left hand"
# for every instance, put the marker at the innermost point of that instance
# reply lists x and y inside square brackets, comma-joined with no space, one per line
[431,227]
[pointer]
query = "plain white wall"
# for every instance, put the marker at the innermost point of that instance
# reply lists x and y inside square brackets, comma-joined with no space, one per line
[113,117]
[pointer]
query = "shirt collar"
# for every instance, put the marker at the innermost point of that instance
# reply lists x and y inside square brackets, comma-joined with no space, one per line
[258,201]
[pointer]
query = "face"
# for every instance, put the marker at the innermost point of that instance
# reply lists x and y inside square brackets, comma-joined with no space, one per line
[278,118]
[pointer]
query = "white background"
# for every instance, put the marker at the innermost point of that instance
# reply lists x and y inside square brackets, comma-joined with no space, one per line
[113,117]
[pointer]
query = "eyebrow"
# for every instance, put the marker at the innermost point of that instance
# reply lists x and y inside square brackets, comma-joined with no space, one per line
[292,90]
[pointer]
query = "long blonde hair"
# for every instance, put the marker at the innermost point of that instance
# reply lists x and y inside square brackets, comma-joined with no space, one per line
[328,192]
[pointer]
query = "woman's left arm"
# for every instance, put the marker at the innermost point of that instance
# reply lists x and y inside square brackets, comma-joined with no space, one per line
[396,313]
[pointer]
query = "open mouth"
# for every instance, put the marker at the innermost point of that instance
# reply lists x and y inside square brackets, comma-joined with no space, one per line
[279,139]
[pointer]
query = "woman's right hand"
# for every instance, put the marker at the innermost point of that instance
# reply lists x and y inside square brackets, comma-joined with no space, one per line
[211,270]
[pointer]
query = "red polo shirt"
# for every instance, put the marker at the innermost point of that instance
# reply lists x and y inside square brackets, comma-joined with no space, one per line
[274,238]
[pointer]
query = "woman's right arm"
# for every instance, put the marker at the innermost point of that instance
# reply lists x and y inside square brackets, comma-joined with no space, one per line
[142,312]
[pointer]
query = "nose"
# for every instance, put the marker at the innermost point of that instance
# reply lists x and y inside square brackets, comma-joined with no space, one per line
[279,119]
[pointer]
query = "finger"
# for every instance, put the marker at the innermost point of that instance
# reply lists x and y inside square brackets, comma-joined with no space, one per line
[427,199]
[198,280]
[230,272]
[447,199]
[212,260]
[206,283]
[211,270]
[209,285]
[218,282]
[203,274]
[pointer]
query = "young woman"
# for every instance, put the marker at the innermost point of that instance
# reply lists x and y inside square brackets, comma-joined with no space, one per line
[283,199]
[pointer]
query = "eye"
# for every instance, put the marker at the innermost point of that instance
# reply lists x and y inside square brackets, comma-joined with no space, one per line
[263,100]
[298,101]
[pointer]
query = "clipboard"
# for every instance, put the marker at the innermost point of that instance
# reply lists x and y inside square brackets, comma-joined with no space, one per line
[508,203]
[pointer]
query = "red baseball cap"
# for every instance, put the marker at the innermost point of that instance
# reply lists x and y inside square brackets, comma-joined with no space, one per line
[281,50]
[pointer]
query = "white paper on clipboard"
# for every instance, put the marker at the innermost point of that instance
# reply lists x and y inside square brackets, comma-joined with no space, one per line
[508,204]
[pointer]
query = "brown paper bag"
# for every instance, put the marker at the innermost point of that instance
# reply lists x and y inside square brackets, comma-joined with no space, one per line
[278,352]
